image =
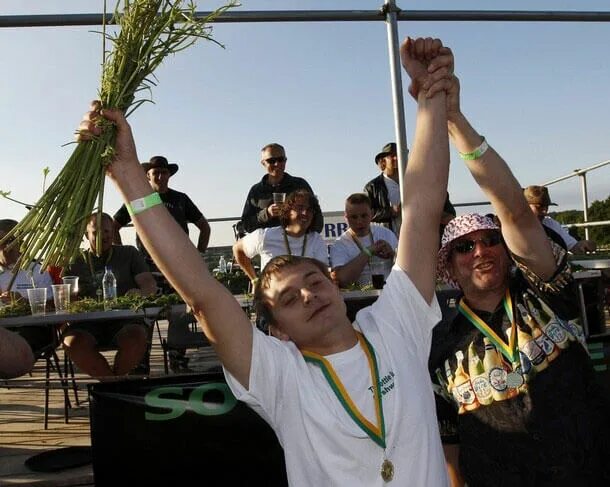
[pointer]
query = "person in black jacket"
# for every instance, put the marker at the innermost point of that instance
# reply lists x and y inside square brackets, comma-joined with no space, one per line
[259,210]
[384,190]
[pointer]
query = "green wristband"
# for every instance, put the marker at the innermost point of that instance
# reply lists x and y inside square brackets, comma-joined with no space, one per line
[477,153]
[367,251]
[136,207]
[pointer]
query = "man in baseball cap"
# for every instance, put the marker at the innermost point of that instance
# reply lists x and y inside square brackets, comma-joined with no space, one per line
[539,200]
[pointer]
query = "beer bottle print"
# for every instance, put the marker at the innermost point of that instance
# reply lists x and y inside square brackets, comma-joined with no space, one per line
[548,324]
[544,342]
[478,377]
[463,386]
[495,371]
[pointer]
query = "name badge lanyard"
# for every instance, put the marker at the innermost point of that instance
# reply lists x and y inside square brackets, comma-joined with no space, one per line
[375,432]
[359,244]
[287,244]
[509,350]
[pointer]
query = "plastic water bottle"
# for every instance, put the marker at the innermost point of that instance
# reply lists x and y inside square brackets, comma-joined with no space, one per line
[109,287]
[222,265]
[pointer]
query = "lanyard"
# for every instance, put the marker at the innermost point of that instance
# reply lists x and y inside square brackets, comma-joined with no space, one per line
[509,350]
[288,245]
[375,432]
[357,240]
[90,262]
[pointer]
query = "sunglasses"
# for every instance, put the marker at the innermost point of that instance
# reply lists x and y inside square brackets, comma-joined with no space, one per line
[465,246]
[275,160]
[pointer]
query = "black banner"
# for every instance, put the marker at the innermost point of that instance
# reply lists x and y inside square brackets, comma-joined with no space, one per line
[177,429]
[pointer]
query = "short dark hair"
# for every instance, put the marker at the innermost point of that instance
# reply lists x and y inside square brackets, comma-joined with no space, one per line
[273,267]
[290,204]
[7,225]
[105,216]
[359,199]
[273,145]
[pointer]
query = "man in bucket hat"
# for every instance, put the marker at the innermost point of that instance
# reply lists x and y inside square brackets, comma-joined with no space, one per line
[517,400]
[539,200]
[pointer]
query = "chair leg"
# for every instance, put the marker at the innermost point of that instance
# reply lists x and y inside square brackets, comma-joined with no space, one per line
[63,380]
[47,384]
[69,368]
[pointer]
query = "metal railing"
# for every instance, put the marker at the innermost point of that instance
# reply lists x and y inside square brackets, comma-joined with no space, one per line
[582,174]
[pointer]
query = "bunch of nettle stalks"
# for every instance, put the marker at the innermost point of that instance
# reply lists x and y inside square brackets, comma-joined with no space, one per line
[148,31]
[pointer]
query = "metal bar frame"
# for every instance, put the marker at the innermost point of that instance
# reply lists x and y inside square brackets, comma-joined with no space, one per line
[389,13]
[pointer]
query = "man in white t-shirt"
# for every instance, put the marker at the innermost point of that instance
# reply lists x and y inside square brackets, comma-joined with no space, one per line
[295,235]
[353,254]
[539,200]
[351,403]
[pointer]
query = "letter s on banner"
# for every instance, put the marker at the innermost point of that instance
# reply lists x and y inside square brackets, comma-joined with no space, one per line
[153,399]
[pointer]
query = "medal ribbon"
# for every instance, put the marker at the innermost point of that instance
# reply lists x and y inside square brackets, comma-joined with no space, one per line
[376,433]
[288,245]
[509,350]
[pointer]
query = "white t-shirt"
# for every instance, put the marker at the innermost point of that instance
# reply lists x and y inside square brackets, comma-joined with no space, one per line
[394,198]
[22,281]
[323,446]
[345,249]
[570,241]
[269,243]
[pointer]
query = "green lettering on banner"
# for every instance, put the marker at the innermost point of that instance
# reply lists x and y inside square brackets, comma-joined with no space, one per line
[178,406]
[153,399]
[199,406]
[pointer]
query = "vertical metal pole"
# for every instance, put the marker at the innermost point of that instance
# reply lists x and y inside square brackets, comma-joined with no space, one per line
[585,202]
[390,10]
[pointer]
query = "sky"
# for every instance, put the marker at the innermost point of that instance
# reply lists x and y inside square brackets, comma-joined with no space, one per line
[537,91]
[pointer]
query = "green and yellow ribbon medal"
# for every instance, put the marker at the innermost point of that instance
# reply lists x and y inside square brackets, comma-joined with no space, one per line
[375,432]
[509,350]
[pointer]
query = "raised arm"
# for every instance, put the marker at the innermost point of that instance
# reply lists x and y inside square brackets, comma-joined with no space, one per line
[521,230]
[425,182]
[243,260]
[216,310]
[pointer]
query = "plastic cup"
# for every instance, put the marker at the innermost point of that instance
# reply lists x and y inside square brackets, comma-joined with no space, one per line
[61,297]
[38,300]
[73,281]
[378,272]
[279,198]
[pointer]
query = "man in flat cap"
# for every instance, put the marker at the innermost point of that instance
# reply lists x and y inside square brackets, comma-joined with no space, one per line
[184,211]
[539,201]
[384,192]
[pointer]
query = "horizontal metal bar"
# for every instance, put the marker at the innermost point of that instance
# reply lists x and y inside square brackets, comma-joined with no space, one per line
[53,20]
[578,172]
[587,224]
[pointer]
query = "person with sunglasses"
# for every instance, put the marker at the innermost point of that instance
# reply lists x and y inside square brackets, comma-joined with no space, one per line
[293,237]
[517,403]
[350,402]
[260,211]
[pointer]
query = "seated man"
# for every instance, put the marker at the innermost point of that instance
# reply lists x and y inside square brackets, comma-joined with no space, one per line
[352,253]
[539,200]
[81,340]
[294,236]
[38,337]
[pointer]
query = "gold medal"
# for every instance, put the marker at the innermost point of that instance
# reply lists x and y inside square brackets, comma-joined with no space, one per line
[387,470]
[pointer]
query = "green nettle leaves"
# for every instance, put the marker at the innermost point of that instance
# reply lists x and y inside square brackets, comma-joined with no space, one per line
[147,32]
